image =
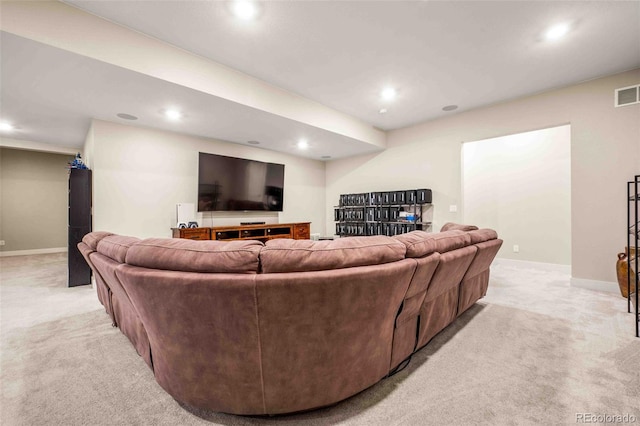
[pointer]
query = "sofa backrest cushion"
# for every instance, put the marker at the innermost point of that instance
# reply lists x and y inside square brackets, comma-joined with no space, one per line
[451,240]
[487,251]
[285,255]
[482,235]
[93,238]
[176,254]
[420,243]
[327,334]
[116,246]
[450,226]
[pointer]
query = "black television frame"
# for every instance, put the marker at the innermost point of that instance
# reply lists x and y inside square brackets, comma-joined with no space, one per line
[214,199]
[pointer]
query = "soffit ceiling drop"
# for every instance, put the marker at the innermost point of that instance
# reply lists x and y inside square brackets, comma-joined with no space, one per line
[57,105]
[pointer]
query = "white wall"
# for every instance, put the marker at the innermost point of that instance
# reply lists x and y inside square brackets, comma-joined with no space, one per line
[605,152]
[139,175]
[519,184]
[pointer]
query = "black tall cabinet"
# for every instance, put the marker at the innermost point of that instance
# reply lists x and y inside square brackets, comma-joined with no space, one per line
[79,224]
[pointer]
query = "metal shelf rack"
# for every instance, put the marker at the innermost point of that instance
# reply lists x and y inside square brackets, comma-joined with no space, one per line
[633,238]
[383,213]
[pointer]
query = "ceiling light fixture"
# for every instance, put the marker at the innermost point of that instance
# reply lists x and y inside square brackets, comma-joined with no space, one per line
[325,157]
[450,108]
[557,31]
[303,144]
[6,127]
[125,116]
[173,114]
[244,9]
[388,93]
[383,111]
[253,143]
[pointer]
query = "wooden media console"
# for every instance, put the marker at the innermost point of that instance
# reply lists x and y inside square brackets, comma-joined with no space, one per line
[296,231]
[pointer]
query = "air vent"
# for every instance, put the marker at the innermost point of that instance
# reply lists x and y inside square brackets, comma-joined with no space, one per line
[627,96]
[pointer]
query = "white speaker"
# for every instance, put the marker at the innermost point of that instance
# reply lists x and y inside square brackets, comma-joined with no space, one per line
[185,213]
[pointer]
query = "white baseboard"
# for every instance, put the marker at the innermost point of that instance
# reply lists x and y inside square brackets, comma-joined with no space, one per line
[538,265]
[30,252]
[606,286]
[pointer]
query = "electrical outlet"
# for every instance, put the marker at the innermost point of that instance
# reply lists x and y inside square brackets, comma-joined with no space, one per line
[453,208]
[1,242]
[516,248]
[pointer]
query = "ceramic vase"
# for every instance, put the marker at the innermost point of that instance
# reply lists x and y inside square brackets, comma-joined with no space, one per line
[622,268]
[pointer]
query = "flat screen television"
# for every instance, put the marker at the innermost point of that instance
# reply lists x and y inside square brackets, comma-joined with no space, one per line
[237,184]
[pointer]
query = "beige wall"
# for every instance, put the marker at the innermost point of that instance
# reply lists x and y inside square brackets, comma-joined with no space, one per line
[519,183]
[139,175]
[605,145]
[34,197]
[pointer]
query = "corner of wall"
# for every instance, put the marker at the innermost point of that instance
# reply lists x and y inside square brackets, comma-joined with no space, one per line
[88,147]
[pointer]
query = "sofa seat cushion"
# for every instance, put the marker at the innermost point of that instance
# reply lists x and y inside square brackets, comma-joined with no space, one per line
[116,246]
[285,255]
[93,238]
[196,256]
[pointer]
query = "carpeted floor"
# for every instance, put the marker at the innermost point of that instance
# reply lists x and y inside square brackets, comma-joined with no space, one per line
[534,351]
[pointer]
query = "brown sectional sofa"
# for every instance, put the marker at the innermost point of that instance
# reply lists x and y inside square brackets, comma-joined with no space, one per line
[250,328]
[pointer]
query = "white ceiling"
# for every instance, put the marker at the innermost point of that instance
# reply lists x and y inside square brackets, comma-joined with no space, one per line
[337,53]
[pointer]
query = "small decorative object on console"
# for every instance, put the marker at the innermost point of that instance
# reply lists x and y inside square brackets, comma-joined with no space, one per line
[186,215]
[77,163]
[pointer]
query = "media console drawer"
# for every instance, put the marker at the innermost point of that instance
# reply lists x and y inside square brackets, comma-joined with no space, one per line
[301,231]
[192,233]
[279,232]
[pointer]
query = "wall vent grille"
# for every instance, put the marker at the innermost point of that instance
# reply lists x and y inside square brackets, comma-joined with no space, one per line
[627,96]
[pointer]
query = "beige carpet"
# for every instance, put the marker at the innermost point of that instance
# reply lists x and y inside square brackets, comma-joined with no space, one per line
[534,351]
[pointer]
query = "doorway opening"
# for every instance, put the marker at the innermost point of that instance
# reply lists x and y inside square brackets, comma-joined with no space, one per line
[520,185]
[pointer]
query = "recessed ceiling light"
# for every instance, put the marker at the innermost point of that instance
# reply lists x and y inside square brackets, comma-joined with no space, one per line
[6,127]
[450,108]
[557,31]
[388,93]
[325,157]
[303,144]
[253,143]
[383,111]
[173,114]
[244,9]
[127,116]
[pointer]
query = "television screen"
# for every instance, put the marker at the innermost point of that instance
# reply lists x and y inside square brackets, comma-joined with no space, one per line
[236,184]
